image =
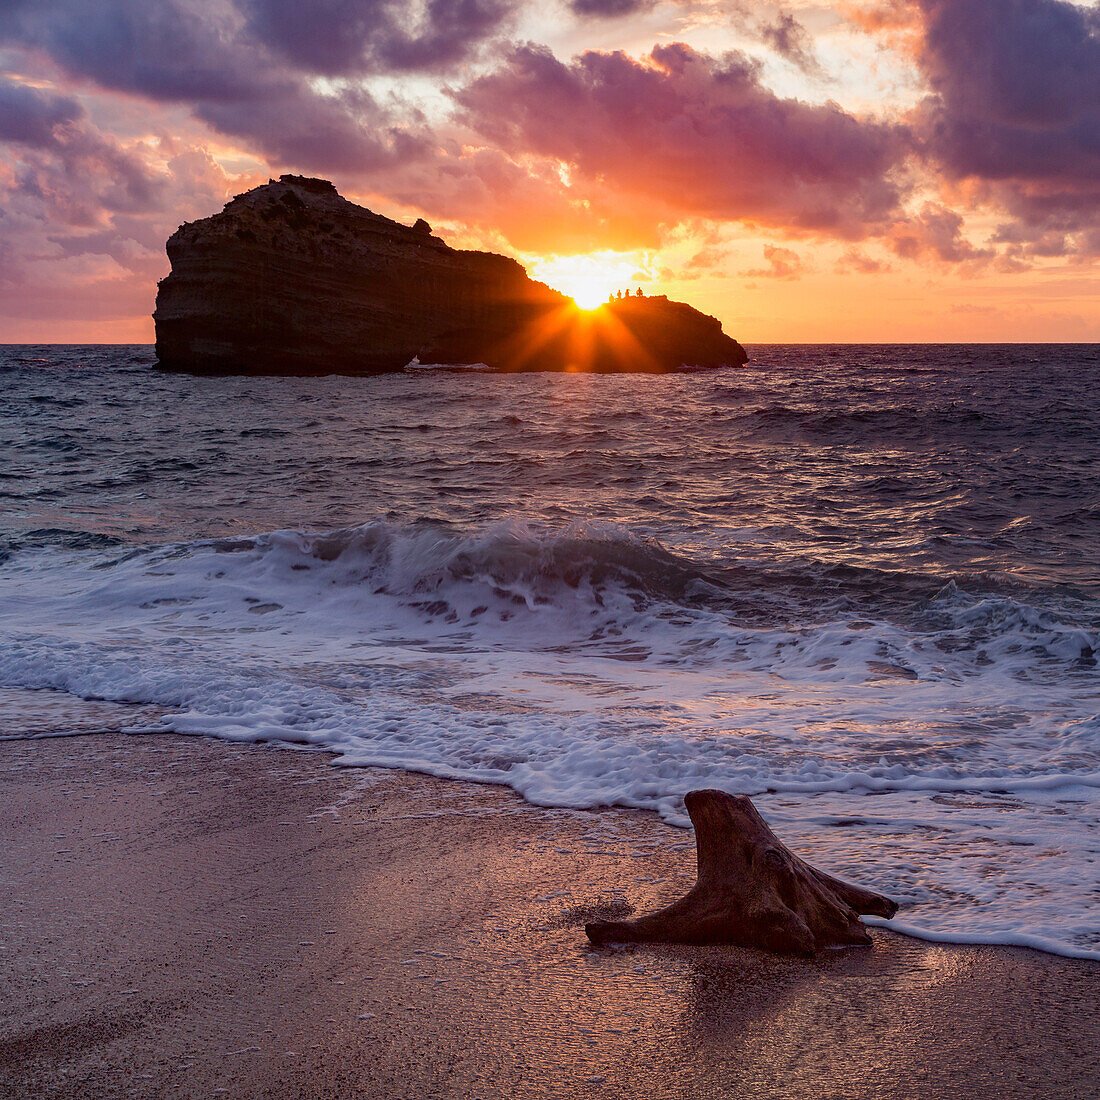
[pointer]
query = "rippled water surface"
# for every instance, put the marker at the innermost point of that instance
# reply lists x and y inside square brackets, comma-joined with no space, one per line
[858,583]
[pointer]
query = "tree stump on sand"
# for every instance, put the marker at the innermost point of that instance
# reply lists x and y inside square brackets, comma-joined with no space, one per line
[751,891]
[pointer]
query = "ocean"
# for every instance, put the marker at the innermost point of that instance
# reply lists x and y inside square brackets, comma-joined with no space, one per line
[860,584]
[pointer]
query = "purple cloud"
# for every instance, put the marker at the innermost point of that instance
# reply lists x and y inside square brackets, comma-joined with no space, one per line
[609,9]
[701,135]
[65,161]
[31,116]
[355,36]
[935,233]
[1015,104]
[246,66]
[83,218]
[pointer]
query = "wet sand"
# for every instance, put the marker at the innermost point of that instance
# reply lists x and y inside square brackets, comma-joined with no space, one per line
[186,918]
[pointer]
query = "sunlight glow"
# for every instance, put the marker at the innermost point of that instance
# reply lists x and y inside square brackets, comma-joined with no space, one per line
[588,279]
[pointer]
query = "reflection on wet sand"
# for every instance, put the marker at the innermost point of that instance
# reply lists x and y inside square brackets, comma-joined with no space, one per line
[200,916]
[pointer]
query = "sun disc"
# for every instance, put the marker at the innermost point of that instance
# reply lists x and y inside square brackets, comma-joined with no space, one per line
[589,279]
[589,297]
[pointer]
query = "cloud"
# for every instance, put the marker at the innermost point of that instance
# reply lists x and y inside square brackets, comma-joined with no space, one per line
[609,9]
[776,28]
[1023,240]
[65,162]
[1020,68]
[356,36]
[521,203]
[691,133]
[606,150]
[224,50]
[83,216]
[971,308]
[854,261]
[343,132]
[783,263]
[1014,105]
[935,233]
[166,51]
[790,39]
[707,260]
[31,116]
[249,67]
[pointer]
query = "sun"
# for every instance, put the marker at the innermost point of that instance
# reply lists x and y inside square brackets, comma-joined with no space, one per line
[588,296]
[588,279]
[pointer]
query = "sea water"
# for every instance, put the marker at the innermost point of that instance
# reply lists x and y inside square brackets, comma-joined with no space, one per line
[859,584]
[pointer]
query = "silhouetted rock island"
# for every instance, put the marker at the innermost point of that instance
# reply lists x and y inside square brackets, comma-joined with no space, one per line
[291,278]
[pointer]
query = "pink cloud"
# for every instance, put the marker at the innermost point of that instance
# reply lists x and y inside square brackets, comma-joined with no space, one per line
[685,130]
[783,263]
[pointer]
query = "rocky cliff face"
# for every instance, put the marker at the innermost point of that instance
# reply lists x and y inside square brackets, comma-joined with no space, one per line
[291,278]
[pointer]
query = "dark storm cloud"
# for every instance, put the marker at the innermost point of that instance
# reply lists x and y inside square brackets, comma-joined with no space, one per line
[609,9]
[699,133]
[1018,64]
[344,132]
[246,66]
[225,49]
[1015,104]
[344,37]
[165,50]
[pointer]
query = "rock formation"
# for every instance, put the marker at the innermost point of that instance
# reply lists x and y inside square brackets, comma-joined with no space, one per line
[752,891]
[291,278]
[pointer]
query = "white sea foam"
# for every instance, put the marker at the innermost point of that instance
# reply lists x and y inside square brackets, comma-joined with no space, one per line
[953,762]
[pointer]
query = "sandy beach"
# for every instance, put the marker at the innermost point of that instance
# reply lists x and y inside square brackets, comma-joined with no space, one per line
[183,917]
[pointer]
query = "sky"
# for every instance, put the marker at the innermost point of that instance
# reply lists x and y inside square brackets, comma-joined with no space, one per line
[873,170]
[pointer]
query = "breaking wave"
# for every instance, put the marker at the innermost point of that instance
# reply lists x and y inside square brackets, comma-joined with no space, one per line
[855,584]
[587,667]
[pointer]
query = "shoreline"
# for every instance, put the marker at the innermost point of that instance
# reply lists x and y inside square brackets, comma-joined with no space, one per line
[187,915]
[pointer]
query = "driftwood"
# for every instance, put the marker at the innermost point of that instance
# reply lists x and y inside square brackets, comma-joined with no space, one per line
[751,891]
